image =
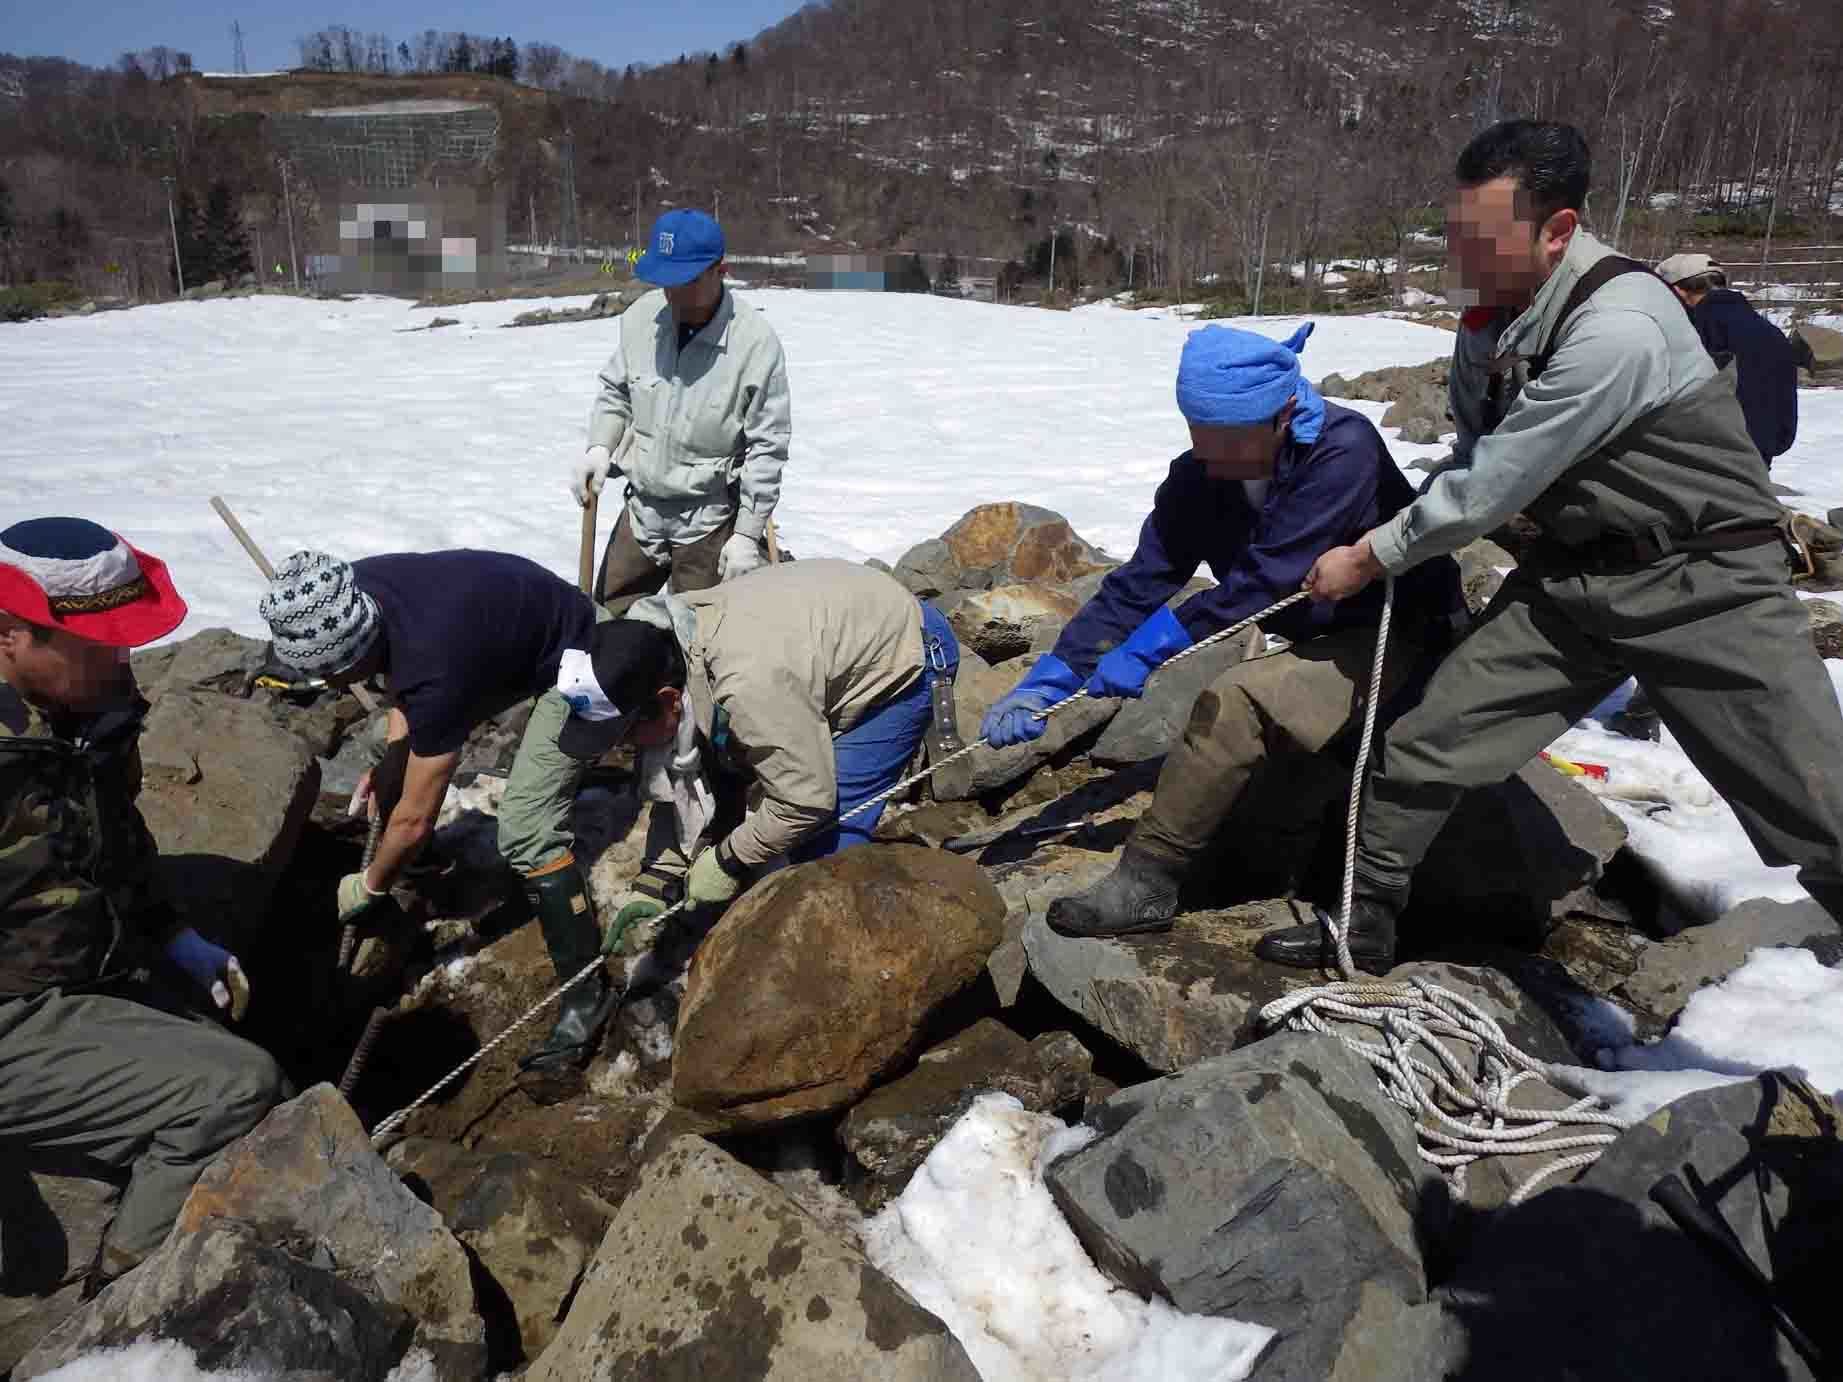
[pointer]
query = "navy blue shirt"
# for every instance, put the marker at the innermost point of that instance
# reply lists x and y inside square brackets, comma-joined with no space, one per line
[1323,495]
[1763,357]
[469,635]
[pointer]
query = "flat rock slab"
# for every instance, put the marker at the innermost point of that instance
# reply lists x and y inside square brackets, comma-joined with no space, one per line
[1149,726]
[1669,972]
[709,1273]
[892,1131]
[308,1180]
[226,792]
[1594,1280]
[1272,1185]
[50,1230]
[1172,998]
[240,1305]
[532,1230]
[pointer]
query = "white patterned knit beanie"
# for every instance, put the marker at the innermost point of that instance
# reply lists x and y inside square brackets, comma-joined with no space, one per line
[321,621]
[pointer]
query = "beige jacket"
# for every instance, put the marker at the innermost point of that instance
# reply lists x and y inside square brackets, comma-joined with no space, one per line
[796,654]
[683,428]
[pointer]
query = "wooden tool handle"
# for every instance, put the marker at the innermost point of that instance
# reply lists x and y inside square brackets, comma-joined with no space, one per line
[585,556]
[237,530]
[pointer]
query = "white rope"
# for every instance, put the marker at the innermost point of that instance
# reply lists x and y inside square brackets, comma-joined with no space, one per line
[1412,1018]
[646,933]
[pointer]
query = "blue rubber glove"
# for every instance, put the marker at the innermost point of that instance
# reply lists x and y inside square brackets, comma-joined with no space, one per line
[212,968]
[1013,719]
[1123,672]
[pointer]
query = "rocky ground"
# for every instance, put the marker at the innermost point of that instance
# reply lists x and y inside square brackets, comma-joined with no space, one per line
[699,1206]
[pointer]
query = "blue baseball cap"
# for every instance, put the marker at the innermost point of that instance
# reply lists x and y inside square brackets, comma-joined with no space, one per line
[683,244]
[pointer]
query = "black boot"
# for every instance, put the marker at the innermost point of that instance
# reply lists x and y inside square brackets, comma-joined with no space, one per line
[1372,940]
[566,916]
[1139,895]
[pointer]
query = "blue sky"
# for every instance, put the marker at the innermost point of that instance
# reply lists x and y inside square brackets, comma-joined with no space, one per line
[613,32]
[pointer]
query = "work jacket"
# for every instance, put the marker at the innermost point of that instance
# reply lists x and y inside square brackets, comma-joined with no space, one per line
[1764,361]
[794,655]
[1324,493]
[1630,430]
[701,433]
[79,902]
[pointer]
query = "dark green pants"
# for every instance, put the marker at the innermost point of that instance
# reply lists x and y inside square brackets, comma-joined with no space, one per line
[1717,639]
[100,1080]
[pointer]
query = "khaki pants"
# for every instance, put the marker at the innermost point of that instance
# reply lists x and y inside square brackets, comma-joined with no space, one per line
[1719,642]
[535,828]
[1291,702]
[628,573]
[104,1080]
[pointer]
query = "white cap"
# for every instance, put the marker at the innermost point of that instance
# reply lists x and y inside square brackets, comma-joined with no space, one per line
[1681,266]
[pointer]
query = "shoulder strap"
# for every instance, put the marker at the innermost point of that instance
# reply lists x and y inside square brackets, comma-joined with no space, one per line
[1596,278]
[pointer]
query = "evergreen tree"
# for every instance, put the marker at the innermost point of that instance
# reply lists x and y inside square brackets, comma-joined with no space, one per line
[226,245]
[9,226]
[70,237]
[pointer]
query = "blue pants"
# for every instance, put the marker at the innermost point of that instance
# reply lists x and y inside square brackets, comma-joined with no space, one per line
[871,755]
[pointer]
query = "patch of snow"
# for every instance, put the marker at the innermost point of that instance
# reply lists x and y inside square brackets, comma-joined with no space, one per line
[1634,1095]
[1781,1010]
[977,1239]
[151,1360]
[1684,834]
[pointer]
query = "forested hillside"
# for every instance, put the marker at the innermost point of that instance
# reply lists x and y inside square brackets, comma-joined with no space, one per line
[1166,141]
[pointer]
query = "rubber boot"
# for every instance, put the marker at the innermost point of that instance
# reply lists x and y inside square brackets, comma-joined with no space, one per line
[566,915]
[1371,938]
[1139,895]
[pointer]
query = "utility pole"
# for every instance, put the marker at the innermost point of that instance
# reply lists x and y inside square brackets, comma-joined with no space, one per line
[719,205]
[172,222]
[636,213]
[294,258]
[570,232]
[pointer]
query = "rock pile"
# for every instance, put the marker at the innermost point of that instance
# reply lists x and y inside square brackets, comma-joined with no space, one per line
[695,1209]
[1416,395]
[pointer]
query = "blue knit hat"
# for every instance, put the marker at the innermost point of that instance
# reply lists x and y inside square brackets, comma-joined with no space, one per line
[1234,378]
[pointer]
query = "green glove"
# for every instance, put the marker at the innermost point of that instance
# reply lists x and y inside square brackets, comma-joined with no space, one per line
[356,897]
[715,877]
[615,939]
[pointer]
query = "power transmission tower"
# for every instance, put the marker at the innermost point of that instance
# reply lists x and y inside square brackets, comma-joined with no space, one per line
[242,58]
[569,233]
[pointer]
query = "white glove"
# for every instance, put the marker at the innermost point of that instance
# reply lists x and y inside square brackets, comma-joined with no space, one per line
[739,556]
[589,472]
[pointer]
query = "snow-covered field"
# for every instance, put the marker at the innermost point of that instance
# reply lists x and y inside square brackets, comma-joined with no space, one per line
[323,425]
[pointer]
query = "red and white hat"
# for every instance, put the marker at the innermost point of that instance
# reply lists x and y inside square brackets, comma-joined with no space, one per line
[71,574]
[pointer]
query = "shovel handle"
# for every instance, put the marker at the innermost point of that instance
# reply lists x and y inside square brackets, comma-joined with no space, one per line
[585,555]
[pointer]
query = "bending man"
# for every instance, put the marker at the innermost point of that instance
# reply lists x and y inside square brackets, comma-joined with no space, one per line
[1612,428]
[460,637]
[1274,477]
[810,684]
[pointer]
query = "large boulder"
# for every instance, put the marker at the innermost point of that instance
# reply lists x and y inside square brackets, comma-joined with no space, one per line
[307,1180]
[819,980]
[1176,997]
[226,792]
[1009,620]
[50,1230]
[1391,384]
[710,1272]
[241,1305]
[1641,1301]
[977,688]
[1149,726]
[532,1230]
[891,1132]
[1669,972]
[1000,544]
[1274,1185]
[1518,856]
[1822,347]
